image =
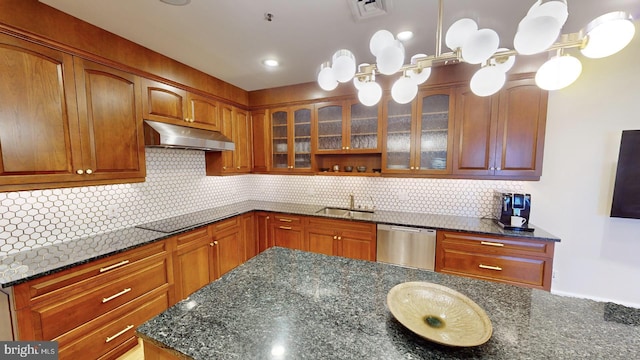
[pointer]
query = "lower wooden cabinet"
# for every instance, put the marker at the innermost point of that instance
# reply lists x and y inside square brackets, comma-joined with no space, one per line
[355,240]
[511,260]
[194,265]
[92,309]
[288,231]
[263,230]
[228,245]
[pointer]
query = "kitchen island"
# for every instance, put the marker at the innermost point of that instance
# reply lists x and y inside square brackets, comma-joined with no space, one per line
[289,304]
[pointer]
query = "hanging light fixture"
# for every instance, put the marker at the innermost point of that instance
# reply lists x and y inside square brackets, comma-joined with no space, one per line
[538,31]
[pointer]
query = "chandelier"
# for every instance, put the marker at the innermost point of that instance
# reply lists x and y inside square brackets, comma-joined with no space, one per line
[538,32]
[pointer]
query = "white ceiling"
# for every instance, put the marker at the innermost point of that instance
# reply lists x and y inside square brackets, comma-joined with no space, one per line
[228,39]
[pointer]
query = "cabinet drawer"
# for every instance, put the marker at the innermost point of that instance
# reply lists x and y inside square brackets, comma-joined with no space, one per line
[58,317]
[80,344]
[192,236]
[284,219]
[342,225]
[80,278]
[496,245]
[226,224]
[511,269]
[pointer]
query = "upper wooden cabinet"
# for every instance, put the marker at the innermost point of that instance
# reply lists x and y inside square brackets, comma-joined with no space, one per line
[166,103]
[64,122]
[418,135]
[236,125]
[291,139]
[502,135]
[347,127]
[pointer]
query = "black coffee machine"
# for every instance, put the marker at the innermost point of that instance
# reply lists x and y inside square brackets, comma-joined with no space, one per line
[513,204]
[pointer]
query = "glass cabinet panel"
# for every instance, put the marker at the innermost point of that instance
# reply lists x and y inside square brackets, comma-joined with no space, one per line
[434,132]
[279,131]
[330,127]
[302,138]
[398,149]
[364,127]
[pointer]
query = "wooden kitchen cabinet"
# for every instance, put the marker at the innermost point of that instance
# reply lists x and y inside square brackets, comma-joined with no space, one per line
[418,135]
[195,261]
[351,239]
[347,126]
[260,136]
[288,231]
[72,122]
[291,139]
[236,125]
[92,310]
[263,230]
[166,103]
[228,245]
[510,260]
[250,239]
[502,135]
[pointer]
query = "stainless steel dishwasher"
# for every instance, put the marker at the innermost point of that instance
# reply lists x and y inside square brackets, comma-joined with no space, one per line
[406,246]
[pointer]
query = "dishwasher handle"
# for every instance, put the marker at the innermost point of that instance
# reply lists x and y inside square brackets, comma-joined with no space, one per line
[405,229]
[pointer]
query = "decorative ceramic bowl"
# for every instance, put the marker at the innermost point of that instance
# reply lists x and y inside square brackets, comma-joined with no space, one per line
[361,168]
[348,168]
[439,314]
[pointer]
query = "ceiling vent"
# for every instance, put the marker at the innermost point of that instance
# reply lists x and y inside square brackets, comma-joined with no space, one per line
[366,9]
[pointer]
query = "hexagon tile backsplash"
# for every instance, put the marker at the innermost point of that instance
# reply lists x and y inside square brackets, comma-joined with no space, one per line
[176,184]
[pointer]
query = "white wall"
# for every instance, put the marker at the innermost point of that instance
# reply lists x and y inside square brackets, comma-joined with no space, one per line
[599,256]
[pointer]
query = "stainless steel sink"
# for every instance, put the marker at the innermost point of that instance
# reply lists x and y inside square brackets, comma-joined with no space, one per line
[346,213]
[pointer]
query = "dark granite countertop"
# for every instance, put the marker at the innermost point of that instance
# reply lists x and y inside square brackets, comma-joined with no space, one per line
[288,304]
[27,265]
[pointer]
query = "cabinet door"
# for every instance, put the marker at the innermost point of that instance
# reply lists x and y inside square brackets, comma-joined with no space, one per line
[329,118]
[203,112]
[279,139]
[263,231]
[228,157]
[475,128]
[364,128]
[194,265]
[242,140]
[162,102]
[435,131]
[260,148]
[228,247]
[288,236]
[39,131]
[110,113]
[322,240]
[302,138]
[360,246]
[398,147]
[248,233]
[522,118]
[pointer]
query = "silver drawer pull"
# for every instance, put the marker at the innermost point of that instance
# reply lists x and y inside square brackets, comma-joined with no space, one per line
[110,267]
[104,300]
[489,243]
[109,338]
[489,267]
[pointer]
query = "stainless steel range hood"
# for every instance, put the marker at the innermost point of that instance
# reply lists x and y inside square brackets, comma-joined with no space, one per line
[163,135]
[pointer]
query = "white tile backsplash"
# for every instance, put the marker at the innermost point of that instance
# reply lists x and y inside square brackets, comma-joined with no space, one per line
[176,184]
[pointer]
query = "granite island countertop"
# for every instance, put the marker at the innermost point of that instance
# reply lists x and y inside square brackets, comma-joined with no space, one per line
[22,266]
[289,304]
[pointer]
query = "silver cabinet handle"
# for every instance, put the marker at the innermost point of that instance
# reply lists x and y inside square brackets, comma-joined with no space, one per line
[111,267]
[107,299]
[285,227]
[109,338]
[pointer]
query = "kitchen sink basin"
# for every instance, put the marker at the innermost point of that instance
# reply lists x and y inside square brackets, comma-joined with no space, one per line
[346,213]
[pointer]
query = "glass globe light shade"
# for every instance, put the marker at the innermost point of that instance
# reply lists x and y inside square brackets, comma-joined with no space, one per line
[359,81]
[404,90]
[380,40]
[558,72]
[480,46]
[459,31]
[419,75]
[608,34]
[487,81]
[536,34]
[503,64]
[326,78]
[556,9]
[391,58]
[344,65]
[370,93]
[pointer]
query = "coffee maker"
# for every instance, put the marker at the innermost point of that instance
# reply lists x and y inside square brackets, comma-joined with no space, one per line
[510,204]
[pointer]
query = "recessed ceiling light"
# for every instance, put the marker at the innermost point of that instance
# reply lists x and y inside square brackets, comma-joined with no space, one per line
[271,62]
[405,35]
[176,2]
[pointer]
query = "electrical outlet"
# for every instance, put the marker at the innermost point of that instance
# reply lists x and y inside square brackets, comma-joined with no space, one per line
[112,211]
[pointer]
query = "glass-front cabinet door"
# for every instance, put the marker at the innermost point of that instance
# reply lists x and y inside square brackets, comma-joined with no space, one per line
[364,128]
[330,127]
[435,126]
[291,138]
[397,155]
